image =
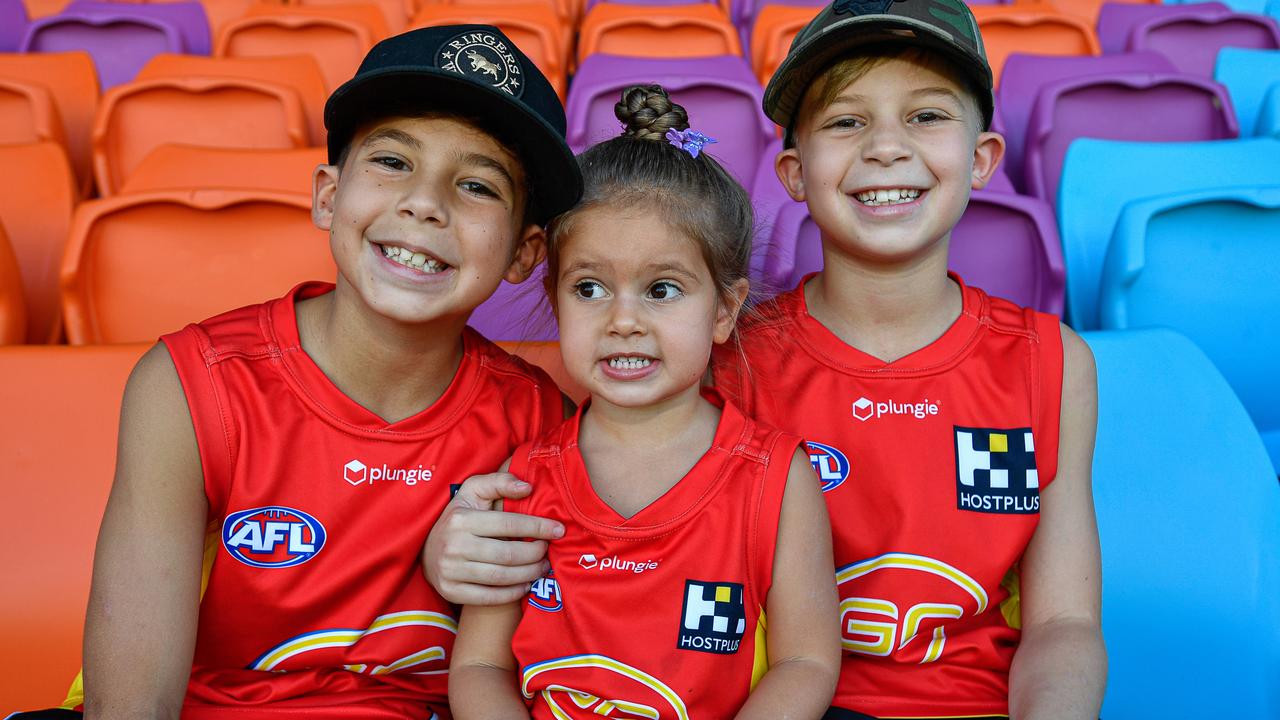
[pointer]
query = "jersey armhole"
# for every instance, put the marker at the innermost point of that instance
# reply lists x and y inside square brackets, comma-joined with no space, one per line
[214,431]
[1047,394]
[767,513]
[520,468]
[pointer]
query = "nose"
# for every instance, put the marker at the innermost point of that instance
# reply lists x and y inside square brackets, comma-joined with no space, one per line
[424,201]
[626,317]
[885,143]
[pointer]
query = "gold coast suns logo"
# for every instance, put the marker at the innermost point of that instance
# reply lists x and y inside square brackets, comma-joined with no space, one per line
[415,641]
[632,693]
[903,625]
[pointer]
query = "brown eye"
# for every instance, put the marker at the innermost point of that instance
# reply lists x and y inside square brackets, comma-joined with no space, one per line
[664,290]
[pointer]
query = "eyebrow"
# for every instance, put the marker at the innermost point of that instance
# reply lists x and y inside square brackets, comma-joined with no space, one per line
[393,135]
[658,268]
[919,92]
[487,162]
[473,158]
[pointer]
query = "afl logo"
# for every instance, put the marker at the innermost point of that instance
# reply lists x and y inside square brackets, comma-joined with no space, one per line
[545,594]
[483,58]
[272,537]
[830,464]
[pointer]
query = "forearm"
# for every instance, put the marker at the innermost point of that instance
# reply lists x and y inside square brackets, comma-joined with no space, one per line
[485,692]
[1059,672]
[794,689]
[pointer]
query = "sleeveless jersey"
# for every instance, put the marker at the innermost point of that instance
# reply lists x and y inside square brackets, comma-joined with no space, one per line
[660,615]
[931,468]
[316,605]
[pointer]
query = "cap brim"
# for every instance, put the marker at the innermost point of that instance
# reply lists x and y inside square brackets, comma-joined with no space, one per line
[547,159]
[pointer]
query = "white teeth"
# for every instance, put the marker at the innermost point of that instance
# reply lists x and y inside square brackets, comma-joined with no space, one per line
[629,363]
[895,196]
[411,259]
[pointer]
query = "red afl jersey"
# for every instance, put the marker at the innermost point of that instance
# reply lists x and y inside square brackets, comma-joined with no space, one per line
[316,605]
[932,467]
[658,615]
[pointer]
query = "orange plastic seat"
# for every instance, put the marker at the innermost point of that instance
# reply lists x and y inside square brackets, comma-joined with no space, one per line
[223,12]
[13,306]
[299,72]
[137,117]
[546,355]
[775,27]
[569,11]
[140,265]
[337,36]
[59,414]
[695,30]
[1088,9]
[1039,29]
[533,27]
[27,113]
[394,12]
[185,167]
[37,197]
[72,81]
[44,8]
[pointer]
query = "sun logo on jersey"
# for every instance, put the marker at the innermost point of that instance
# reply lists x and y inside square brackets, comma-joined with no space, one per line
[431,632]
[272,537]
[544,594]
[830,464]
[636,694]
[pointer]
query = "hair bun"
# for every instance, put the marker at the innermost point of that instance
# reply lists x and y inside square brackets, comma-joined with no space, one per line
[648,113]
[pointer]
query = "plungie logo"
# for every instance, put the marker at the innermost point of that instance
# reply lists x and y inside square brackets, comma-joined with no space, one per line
[357,473]
[272,537]
[865,409]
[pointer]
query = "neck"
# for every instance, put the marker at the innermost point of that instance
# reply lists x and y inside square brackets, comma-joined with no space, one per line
[393,369]
[654,426]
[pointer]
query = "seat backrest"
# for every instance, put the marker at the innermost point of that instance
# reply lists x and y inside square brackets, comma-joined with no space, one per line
[54,498]
[1268,123]
[1153,107]
[546,355]
[1031,29]
[1204,263]
[186,167]
[187,17]
[138,266]
[13,23]
[534,27]
[771,35]
[1099,177]
[394,12]
[72,81]
[120,43]
[13,304]
[1024,75]
[1192,43]
[299,72]
[684,31]
[1188,515]
[569,11]
[37,196]
[1116,21]
[27,113]
[1008,245]
[1247,74]
[518,313]
[720,93]
[744,13]
[138,117]
[1088,9]
[336,36]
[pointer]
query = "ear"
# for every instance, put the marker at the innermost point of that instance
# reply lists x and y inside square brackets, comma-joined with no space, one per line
[531,249]
[728,309]
[324,187]
[986,158]
[791,173]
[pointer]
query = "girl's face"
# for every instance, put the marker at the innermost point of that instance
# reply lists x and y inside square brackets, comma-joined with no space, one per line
[637,307]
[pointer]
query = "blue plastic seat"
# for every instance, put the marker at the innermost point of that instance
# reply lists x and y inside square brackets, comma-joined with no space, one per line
[1247,75]
[1268,124]
[1100,176]
[1205,263]
[1189,519]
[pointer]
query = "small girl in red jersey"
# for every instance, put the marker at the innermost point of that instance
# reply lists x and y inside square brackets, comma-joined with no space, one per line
[685,520]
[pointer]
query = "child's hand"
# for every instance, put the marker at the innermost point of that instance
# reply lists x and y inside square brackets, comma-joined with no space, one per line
[475,554]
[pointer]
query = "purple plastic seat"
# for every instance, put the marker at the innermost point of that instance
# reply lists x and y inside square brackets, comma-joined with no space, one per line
[119,44]
[189,18]
[1191,41]
[13,24]
[1152,107]
[720,93]
[1024,75]
[593,3]
[517,312]
[1116,20]
[743,13]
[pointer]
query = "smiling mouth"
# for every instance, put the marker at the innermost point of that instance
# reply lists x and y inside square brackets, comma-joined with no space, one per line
[421,262]
[895,196]
[629,362]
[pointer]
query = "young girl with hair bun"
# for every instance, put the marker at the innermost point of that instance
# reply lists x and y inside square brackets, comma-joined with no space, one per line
[686,522]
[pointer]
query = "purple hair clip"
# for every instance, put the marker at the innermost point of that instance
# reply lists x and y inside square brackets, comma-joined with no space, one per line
[690,141]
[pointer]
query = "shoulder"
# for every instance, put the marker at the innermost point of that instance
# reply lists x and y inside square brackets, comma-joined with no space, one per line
[507,369]
[1079,370]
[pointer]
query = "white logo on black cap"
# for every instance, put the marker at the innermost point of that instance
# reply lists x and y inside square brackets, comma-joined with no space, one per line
[484,58]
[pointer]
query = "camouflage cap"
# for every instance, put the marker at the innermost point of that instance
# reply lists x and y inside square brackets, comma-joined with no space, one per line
[947,26]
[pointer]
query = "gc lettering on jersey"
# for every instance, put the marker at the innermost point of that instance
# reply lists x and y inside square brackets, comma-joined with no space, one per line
[272,537]
[865,408]
[714,617]
[996,471]
[357,473]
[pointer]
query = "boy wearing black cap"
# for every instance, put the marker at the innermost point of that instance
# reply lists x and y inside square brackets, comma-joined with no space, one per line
[308,444]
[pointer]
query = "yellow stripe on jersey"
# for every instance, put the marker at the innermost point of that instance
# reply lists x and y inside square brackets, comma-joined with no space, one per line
[907,561]
[346,638]
[605,663]
[760,663]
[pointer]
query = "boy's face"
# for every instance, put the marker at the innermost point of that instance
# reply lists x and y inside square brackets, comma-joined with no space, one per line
[887,168]
[425,217]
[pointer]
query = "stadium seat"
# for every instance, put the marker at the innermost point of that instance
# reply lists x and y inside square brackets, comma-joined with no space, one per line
[1100,176]
[222,12]
[185,167]
[37,197]
[187,16]
[684,31]
[517,313]
[119,43]
[58,440]
[1088,9]
[1116,23]
[1188,515]
[1204,263]
[1191,38]
[44,8]
[1025,74]
[13,24]
[1031,29]
[720,93]
[533,26]
[1268,124]
[138,266]
[28,113]
[774,28]
[72,81]
[569,11]
[1257,7]
[1152,107]
[336,36]
[1248,75]
[299,72]
[1273,9]
[13,304]
[546,355]
[394,12]
[137,117]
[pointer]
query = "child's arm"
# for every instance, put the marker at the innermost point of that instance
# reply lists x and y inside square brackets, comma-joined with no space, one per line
[483,680]
[141,622]
[1060,667]
[803,629]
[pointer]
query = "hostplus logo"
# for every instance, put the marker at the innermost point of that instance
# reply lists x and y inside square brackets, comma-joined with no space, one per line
[616,564]
[865,408]
[357,473]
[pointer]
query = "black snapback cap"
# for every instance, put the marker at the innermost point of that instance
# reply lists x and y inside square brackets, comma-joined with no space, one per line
[474,70]
[946,26]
